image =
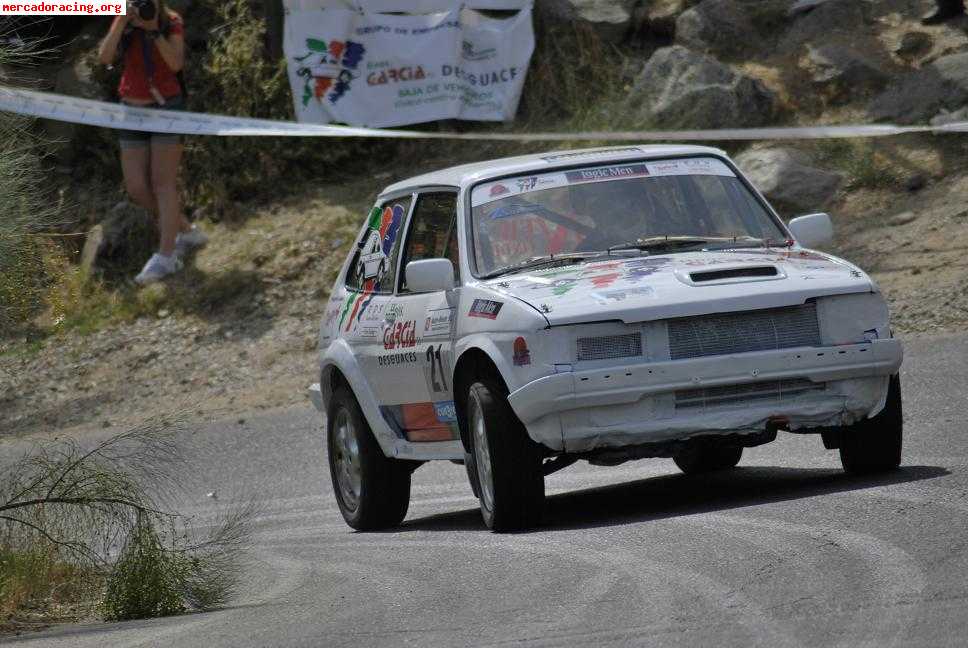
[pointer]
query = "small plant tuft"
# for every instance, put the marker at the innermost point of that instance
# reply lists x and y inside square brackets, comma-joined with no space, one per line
[864,166]
[146,579]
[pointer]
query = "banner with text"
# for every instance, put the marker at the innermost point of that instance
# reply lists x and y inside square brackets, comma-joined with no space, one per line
[377,70]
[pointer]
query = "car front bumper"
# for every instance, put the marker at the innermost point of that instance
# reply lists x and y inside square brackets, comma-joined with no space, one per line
[636,403]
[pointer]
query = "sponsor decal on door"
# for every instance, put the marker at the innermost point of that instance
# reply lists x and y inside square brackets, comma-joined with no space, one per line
[485,308]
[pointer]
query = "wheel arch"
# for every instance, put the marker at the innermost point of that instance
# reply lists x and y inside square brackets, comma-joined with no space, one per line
[473,362]
[339,366]
[330,379]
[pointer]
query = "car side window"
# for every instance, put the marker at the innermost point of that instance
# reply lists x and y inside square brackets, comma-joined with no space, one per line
[432,233]
[374,263]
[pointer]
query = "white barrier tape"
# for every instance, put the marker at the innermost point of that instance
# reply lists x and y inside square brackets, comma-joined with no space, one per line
[88,112]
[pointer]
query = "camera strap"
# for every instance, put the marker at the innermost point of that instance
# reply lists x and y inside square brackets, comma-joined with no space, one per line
[146,52]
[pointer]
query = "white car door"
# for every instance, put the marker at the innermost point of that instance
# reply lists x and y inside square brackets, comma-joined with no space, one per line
[418,342]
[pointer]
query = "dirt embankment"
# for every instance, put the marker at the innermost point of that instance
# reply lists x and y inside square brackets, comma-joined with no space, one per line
[237,331]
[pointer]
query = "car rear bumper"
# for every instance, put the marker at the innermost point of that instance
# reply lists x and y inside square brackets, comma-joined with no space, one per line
[636,403]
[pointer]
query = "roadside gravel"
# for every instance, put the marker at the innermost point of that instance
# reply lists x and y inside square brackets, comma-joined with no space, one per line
[238,333]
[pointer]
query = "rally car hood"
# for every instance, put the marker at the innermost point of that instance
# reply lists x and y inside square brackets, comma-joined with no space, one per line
[656,287]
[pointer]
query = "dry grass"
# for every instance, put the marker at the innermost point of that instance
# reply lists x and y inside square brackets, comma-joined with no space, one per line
[861,161]
[38,587]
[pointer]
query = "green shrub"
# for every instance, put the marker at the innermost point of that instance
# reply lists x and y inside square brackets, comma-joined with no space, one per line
[147,578]
[158,575]
[573,74]
[28,210]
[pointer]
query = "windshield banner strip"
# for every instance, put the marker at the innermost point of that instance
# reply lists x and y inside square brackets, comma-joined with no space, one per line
[619,172]
[492,191]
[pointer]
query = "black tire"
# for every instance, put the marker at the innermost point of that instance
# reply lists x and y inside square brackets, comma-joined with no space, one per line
[701,458]
[511,485]
[384,484]
[874,445]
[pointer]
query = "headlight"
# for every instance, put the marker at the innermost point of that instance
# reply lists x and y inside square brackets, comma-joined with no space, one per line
[849,319]
[592,342]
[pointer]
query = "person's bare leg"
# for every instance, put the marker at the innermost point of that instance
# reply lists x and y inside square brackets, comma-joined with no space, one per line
[165,160]
[135,163]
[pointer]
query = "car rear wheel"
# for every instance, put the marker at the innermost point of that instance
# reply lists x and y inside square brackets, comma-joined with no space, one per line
[701,458]
[507,463]
[874,444]
[372,491]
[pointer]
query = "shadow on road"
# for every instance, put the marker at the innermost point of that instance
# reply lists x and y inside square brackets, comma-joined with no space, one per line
[669,496]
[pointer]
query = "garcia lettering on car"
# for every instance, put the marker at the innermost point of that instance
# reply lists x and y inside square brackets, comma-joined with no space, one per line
[400,335]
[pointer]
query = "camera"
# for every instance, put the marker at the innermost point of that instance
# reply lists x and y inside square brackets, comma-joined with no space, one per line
[146,8]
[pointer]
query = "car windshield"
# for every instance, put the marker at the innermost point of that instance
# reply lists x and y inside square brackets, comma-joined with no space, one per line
[677,205]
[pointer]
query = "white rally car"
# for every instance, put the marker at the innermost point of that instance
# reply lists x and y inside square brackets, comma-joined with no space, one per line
[604,305]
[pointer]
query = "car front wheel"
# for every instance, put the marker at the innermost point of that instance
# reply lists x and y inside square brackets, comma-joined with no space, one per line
[372,491]
[507,463]
[874,444]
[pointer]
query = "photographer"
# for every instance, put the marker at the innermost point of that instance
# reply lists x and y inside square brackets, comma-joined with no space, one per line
[149,41]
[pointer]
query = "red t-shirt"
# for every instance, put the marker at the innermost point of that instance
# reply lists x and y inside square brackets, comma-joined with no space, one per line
[134,79]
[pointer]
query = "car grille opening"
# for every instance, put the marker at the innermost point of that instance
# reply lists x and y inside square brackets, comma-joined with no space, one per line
[735,273]
[610,346]
[758,393]
[743,332]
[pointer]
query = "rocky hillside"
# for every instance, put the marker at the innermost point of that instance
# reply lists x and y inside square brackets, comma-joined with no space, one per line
[237,330]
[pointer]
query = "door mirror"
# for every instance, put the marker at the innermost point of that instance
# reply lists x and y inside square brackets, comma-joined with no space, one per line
[812,230]
[430,275]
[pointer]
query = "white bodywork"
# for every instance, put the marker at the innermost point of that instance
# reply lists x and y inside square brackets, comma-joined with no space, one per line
[398,352]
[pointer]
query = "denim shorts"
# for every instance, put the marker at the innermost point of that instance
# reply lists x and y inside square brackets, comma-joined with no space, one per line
[139,139]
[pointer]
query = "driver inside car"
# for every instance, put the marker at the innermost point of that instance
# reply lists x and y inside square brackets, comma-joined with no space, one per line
[623,221]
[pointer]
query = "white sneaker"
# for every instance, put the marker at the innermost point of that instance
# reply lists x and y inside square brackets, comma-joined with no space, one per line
[193,239]
[157,268]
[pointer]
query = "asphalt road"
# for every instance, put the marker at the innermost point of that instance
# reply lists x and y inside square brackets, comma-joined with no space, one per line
[784,551]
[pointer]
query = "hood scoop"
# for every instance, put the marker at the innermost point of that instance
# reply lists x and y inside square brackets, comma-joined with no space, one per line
[731,275]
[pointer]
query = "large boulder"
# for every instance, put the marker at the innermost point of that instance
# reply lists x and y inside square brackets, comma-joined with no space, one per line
[679,88]
[655,20]
[119,244]
[922,94]
[821,22]
[75,79]
[719,27]
[666,9]
[842,70]
[953,117]
[913,44]
[610,19]
[788,179]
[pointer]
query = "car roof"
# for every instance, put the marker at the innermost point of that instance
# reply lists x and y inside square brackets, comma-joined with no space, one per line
[465,174]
